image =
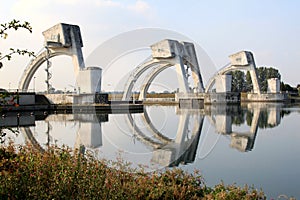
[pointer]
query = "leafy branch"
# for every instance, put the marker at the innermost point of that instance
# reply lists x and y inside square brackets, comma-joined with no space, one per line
[4,28]
[16,51]
[15,25]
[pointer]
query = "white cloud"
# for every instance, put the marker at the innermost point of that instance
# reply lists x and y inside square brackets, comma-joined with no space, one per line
[140,7]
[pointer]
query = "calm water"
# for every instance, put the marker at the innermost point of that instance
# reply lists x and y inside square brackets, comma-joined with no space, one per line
[255,144]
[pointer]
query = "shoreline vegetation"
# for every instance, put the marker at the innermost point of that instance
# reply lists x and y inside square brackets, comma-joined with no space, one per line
[62,173]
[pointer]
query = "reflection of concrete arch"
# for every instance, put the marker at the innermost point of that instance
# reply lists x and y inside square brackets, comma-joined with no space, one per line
[61,39]
[171,151]
[30,138]
[240,61]
[221,119]
[157,134]
[168,53]
[88,133]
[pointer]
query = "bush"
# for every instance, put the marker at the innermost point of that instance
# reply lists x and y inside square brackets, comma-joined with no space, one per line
[60,173]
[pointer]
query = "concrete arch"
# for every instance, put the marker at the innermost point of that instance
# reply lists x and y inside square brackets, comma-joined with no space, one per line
[150,78]
[61,39]
[169,53]
[243,60]
[231,68]
[138,72]
[36,63]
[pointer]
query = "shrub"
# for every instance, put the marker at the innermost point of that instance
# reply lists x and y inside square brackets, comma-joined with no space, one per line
[61,173]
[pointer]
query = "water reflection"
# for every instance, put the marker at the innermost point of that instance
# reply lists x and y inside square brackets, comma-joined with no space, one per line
[247,143]
[166,140]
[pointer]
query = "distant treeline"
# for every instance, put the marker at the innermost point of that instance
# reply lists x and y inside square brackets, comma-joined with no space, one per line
[242,82]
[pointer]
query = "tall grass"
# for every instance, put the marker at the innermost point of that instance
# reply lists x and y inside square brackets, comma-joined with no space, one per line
[60,173]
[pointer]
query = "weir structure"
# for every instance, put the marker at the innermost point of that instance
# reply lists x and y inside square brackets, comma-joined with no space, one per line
[242,60]
[165,54]
[64,39]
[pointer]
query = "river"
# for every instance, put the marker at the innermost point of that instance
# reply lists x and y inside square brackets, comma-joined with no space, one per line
[255,144]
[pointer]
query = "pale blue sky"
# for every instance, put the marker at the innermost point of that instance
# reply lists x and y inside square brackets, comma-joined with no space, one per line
[270,29]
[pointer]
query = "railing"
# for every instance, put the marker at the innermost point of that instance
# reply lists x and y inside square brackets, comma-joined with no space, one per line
[20,90]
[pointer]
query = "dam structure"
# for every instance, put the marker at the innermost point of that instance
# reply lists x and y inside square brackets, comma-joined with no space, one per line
[65,39]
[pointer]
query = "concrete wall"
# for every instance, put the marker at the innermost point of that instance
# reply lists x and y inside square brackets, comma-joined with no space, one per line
[60,98]
[89,80]
[84,99]
[159,99]
[191,103]
[77,98]
[222,98]
[265,97]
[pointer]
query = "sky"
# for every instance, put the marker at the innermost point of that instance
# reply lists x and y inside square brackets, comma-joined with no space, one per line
[270,29]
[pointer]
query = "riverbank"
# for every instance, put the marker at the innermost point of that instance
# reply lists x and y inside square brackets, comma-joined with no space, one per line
[59,173]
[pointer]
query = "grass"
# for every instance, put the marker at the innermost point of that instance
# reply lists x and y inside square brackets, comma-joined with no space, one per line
[61,173]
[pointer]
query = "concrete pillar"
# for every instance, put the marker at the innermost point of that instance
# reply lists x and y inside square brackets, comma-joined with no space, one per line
[89,80]
[223,83]
[273,85]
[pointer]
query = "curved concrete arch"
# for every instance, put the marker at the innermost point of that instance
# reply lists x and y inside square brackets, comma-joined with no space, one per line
[164,64]
[138,72]
[226,70]
[169,52]
[36,63]
[61,39]
[150,78]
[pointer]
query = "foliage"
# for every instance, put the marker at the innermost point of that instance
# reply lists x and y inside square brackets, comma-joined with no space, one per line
[243,83]
[59,173]
[287,87]
[7,100]
[264,74]
[249,85]
[238,81]
[4,29]
[15,25]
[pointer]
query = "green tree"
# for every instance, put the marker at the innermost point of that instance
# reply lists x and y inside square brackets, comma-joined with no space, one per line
[248,84]
[238,81]
[265,73]
[243,83]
